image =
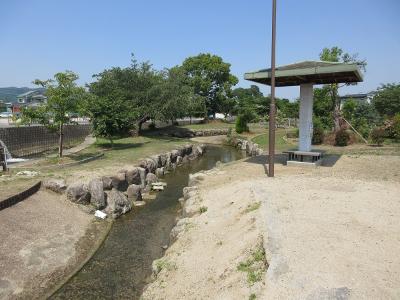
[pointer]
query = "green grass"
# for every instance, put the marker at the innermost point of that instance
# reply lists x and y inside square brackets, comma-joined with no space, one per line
[254,266]
[253,207]
[281,143]
[203,209]
[210,125]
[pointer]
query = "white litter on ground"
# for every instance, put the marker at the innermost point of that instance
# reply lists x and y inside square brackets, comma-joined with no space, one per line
[27,173]
[100,214]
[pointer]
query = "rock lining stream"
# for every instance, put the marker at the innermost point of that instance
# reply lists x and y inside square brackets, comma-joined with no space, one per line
[121,267]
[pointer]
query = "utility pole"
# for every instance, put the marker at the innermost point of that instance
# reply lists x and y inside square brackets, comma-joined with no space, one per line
[271,150]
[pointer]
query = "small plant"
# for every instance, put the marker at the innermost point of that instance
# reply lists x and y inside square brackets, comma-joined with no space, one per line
[252,207]
[203,209]
[161,264]
[377,135]
[254,266]
[252,297]
[342,137]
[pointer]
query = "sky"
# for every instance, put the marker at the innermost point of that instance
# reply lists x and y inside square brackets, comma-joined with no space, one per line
[40,38]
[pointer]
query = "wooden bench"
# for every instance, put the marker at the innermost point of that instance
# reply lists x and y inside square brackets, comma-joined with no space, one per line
[300,155]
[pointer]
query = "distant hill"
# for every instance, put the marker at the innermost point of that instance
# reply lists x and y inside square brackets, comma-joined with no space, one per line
[9,94]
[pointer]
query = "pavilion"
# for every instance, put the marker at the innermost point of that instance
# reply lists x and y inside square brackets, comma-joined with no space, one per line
[306,74]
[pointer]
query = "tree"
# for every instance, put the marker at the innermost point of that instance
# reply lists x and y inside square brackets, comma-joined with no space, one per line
[335,54]
[133,89]
[63,99]
[387,100]
[211,80]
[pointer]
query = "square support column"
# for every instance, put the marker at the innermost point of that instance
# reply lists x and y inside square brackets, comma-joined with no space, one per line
[306,114]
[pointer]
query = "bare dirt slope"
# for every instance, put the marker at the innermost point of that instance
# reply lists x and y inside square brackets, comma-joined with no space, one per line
[42,238]
[329,233]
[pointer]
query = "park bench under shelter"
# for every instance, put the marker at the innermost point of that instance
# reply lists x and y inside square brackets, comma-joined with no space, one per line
[306,74]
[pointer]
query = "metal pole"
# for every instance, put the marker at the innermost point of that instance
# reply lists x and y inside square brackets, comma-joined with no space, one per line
[271,156]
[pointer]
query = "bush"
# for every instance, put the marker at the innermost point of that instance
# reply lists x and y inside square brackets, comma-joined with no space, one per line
[392,127]
[245,116]
[377,135]
[318,136]
[342,137]
[241,125]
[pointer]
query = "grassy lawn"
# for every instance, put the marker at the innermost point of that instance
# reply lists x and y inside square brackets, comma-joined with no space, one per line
[281,142]
[126,151]
[209,125]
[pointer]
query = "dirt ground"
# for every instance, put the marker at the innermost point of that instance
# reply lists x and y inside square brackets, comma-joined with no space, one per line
[330,232]
[42,240]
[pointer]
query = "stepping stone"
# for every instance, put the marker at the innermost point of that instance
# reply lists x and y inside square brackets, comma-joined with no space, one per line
[139,203]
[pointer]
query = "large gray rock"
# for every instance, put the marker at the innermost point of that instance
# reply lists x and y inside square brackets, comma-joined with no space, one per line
[78,192]
[117,204]
[56,185]
[107,183]
[163,159]
[179,160]
[134,192]
[96,190]
[174,154]
[119,182]
[157,160]
[133,176]
[149,164]
[151,178]
[188,149]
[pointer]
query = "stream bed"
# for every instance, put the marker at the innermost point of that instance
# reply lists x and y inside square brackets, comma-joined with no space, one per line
[121,267]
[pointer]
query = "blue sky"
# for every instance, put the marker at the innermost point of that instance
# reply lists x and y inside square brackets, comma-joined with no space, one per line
[40,38]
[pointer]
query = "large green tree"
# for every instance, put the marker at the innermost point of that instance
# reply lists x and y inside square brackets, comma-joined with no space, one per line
[387,100]
[64,98]
[211,80]
[336,54]
[132,90]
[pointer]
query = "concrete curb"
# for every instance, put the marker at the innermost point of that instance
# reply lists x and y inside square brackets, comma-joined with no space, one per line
[10,201]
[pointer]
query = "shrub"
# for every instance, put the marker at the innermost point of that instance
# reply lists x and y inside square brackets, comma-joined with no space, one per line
[342,137]
[241,125]
[318,136]
[377,135]
[392,127]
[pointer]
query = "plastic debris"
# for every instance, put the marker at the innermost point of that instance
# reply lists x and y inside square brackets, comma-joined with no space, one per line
[100,214]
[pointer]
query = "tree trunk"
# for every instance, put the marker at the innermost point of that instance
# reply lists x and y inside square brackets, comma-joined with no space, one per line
[140,123]
[336,109]
[60,141]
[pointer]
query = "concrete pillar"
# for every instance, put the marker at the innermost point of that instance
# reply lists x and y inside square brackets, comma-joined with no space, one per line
[306,113]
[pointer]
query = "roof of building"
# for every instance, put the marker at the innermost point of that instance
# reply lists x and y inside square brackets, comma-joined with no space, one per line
[358,96]
[315,72]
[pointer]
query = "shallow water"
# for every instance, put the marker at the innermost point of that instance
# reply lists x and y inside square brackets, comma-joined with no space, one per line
[122,265]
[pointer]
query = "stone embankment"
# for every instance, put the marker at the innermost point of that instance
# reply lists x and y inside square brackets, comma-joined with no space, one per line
[116,195]
[194,133]
[252,149]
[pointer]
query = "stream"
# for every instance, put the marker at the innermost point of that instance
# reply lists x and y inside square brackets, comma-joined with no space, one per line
[121,267]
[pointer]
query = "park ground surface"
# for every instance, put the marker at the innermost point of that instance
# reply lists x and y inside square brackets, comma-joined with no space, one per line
[330,232]
[317,217]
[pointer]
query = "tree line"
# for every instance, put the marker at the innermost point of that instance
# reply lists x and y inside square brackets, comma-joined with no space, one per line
[122,99]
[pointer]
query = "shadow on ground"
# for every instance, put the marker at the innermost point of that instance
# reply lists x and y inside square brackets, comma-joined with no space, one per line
[327,160]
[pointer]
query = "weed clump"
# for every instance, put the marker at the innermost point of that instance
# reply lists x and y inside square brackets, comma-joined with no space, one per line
[254,266]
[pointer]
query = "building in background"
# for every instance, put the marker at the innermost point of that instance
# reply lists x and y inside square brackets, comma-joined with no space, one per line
[359,98]
[32,98]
